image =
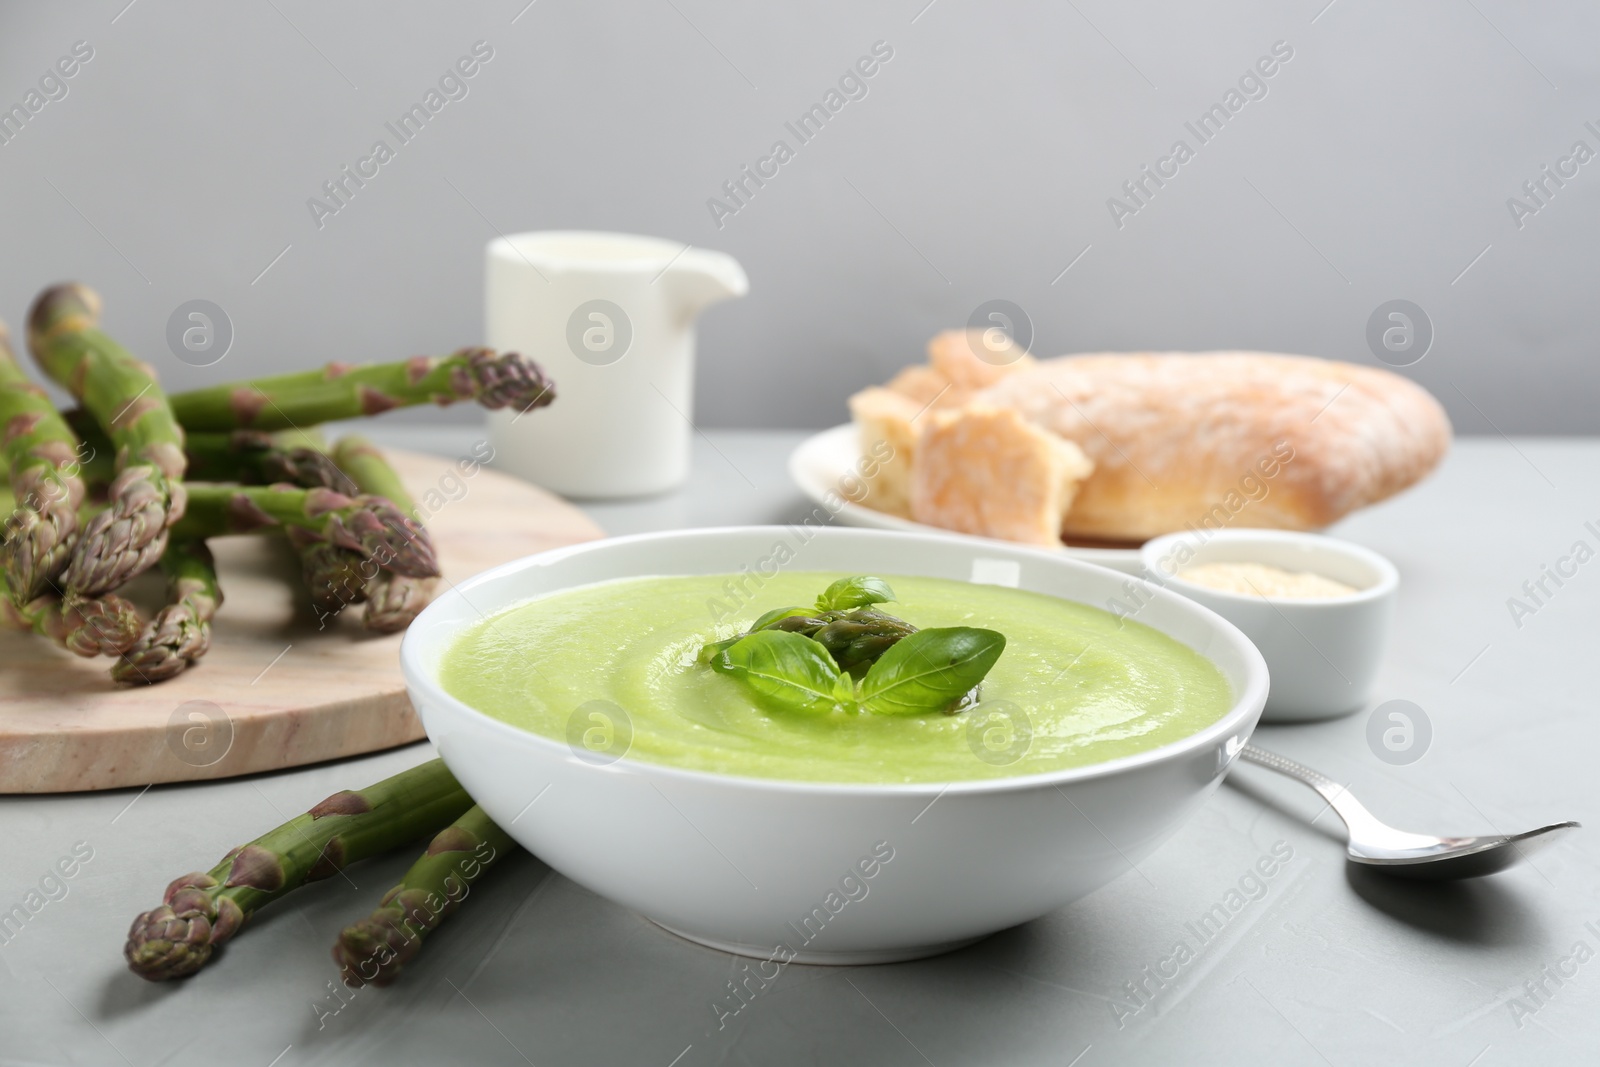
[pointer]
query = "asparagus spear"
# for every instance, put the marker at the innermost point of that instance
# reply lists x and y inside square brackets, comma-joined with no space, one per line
[853,638]
[336,576]
[342,391]
[368,525]
[252,457]
[256,458]
[121,392]
[393,600]
[333,575]
[105,625]
[87,626]
[181,633]
[203,910]
[363,463]
[42,456]
[377,947]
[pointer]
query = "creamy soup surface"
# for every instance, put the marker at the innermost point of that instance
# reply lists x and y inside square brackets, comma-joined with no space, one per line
[615,667]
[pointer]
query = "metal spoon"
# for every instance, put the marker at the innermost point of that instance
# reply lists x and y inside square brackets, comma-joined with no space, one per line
[1404,854]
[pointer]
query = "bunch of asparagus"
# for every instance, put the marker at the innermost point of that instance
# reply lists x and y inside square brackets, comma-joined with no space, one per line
[204,910]
[133,478]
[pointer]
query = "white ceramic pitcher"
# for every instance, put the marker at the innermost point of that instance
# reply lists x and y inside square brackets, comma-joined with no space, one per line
[611,317]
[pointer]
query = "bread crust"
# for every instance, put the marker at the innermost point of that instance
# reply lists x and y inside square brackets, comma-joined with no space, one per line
[1207,439]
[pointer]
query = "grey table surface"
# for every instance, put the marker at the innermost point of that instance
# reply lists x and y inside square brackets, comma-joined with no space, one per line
[1319,964]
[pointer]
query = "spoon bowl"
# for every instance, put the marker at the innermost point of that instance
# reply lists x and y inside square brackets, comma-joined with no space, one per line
[1460,857]
[1404,854]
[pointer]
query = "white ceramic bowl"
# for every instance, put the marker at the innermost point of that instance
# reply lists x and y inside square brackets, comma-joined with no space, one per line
[779,869]
[1323,652]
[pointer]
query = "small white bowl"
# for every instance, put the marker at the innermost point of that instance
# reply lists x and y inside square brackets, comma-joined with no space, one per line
[1323,652]
[778,869]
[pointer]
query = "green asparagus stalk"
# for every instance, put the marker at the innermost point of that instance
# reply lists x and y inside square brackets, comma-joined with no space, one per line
[105,625]
[376,948]
[335,576]
[855,639]
[252,457]
[203,910]
[342,391]
[256,458]
[368,525]
[364,464]
[181,633]
[393,600]
[43,458]
[122,394]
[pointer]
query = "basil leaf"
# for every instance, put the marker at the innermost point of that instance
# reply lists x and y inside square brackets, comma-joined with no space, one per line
[712,650]
[930,669]
[790,671]
[855,592]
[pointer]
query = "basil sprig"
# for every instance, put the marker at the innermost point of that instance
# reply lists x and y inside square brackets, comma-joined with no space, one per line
[808,661]
[843,621]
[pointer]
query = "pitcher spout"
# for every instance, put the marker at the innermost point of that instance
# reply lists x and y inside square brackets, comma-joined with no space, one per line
[700,277]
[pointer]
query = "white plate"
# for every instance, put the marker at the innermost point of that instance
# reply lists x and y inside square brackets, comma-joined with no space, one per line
[822,460]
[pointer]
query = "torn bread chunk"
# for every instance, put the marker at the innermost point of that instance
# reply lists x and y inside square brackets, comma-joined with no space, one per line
[988,471]
[975,359]
[885,421]
[928,387]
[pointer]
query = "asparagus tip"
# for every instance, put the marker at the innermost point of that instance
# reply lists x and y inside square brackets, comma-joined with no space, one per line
[71,305]
[373,950]
[125,538]
[179,937]
[173,641]
[509,380]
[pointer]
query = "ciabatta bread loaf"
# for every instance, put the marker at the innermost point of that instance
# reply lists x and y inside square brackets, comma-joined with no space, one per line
[1226,438]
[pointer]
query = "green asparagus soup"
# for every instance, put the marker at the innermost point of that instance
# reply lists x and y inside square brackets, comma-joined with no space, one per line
[616,668]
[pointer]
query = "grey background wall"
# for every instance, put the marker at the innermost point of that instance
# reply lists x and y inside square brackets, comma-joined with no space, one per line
[978,165]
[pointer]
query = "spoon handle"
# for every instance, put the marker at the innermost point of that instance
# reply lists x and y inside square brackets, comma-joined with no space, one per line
[1283,765]
[1361,823]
